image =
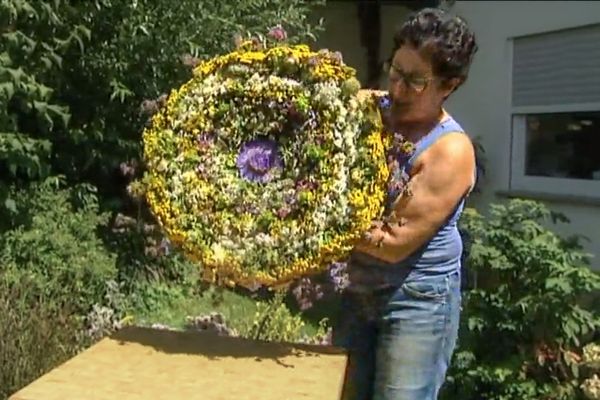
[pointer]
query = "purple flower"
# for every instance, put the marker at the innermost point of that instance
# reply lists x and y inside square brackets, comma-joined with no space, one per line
[258,159]
[278,33]
[205,140]
[307,293]
[284,211]
[339,276]
[165,246]
[306,184]
[337,57]
[385,102]
[190,61]
[149,107]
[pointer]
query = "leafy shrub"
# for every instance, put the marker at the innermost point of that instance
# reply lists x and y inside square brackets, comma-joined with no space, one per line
[524,324]
[54,245]
[35,39]
[74,74]
[144,254]
[54,272]
[34,337]
[273,321]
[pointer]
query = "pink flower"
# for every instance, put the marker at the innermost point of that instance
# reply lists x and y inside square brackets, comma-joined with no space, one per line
[278,33]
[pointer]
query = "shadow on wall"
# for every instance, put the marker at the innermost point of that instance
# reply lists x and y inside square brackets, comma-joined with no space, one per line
[362,31]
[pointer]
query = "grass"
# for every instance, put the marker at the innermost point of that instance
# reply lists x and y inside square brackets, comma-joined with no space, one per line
[170,305]
[173,310]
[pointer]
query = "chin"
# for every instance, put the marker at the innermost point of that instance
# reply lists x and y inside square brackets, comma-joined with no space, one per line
[400,108]
[402,113]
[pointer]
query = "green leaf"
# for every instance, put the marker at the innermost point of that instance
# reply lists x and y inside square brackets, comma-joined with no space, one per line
[476,324]
[61,112]
[12,168]
[46,61]
[7,90]
[79,41]
[44,91]
[85,31]
[17,74]
[558,284]
[40,106]
[5,59]
[10,205]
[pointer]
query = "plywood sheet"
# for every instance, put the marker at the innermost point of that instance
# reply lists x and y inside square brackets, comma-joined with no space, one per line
[141,363]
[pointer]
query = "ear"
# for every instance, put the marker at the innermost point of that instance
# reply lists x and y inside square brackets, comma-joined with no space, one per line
[450,85]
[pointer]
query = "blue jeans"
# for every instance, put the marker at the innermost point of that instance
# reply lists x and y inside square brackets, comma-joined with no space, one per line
[400,340]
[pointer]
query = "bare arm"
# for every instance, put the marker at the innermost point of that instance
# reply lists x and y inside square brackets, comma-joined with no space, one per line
[443,175]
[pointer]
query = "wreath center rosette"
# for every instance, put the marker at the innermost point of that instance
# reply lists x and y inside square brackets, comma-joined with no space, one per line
[267,164]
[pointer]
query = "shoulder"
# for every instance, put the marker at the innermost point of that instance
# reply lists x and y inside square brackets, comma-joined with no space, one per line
[453,151]
[453,143]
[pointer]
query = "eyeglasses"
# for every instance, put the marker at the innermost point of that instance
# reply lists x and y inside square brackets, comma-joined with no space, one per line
[416,83]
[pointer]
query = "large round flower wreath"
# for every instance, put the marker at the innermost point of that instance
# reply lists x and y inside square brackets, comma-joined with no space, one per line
[268,164]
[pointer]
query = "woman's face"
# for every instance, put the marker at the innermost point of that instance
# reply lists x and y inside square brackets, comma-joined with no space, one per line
[417,94]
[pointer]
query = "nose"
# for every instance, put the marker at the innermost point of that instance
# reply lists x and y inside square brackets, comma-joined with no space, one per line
[397,84]
[397,90]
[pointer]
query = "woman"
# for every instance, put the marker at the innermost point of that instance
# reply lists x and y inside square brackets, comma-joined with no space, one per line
[401,311]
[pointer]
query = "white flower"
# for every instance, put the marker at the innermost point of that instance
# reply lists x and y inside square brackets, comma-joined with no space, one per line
[218,253]
[264,239]
[591,388]
[591,355]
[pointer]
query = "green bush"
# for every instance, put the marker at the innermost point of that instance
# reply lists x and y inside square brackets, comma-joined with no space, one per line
[523,322]
[54,270]
[73,75]
[140,50]
[53,244]
[34,337]
[273,321]
[144,254]
[35,38]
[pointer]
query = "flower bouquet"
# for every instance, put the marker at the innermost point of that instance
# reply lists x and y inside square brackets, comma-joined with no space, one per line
[268,164]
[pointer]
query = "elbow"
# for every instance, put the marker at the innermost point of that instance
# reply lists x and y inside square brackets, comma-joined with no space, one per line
[400,249]
[395,254]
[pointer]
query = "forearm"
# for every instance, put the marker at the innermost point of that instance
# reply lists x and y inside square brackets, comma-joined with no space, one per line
[393,243]
[435,193]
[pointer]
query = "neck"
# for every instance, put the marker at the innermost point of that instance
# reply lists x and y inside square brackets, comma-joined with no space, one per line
[416,129]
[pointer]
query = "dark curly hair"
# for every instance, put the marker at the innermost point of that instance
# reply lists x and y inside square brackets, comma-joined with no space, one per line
[444,38]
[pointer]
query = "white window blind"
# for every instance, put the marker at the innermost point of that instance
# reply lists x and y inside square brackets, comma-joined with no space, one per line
[561,67]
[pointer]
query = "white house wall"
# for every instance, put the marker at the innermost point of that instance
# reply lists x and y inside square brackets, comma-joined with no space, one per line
[483,103]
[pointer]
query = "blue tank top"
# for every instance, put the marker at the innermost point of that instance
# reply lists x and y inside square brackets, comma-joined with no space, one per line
[439,256]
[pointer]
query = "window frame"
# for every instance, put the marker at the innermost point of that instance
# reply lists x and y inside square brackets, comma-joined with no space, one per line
[519,181]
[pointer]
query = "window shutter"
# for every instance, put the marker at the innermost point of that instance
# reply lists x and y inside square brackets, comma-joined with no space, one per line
[561,67]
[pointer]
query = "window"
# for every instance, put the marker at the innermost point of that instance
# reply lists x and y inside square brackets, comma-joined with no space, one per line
[556,113]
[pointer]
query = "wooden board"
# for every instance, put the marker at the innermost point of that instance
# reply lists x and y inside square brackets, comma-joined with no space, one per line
[142,363]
